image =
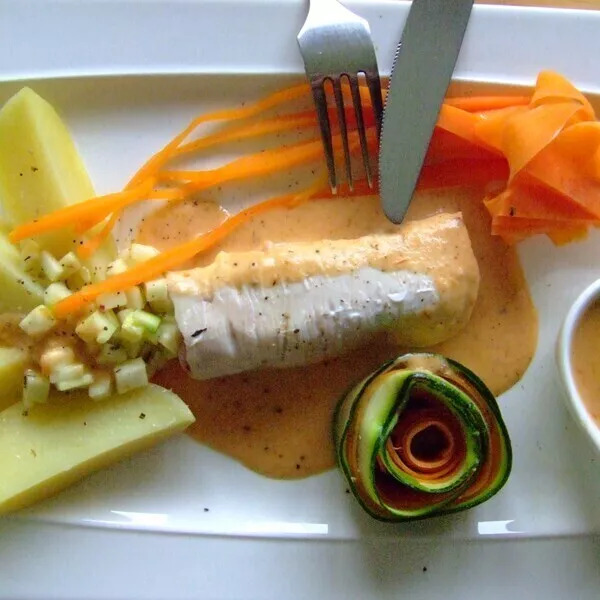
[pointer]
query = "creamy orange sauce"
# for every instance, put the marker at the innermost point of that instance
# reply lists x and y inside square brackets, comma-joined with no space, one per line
[586,360]
[278,422]
[11,335]
[178,222]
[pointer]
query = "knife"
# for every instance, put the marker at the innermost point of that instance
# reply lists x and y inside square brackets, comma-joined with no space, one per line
[422,70]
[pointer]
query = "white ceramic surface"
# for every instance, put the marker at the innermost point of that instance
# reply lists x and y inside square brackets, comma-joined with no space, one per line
[555,486]
[564,356]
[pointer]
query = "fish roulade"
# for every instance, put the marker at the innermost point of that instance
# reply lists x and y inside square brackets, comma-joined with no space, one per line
[299,303]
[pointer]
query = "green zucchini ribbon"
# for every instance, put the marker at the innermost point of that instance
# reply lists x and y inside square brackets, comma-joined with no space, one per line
[421,436]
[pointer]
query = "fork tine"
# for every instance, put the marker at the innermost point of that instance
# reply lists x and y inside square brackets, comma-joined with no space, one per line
[374,84]
[360,126]
[339,104]
[320,101]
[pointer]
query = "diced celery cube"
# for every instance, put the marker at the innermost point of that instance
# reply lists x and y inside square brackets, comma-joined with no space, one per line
[151,338]
[130,375]
[169,337]
[101,387]
[50,266]
[112,328]
[135,298]
[74,384]
[157,295]
[79,279]
[116,267]
[55,292]
[70,264]
[123,314]
[38,322]
[66,372]
[130,330]
[133,349]
[112,300]
[149,322]
[98,327]
[111,355]
[139,253]
[36,388]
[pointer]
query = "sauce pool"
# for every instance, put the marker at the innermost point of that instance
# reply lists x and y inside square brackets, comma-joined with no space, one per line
[586,359]
[278,422]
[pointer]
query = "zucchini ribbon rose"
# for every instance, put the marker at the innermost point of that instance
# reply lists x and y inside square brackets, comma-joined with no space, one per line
[421,436]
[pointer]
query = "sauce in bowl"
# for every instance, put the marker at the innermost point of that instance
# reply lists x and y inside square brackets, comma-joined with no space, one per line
[585,359]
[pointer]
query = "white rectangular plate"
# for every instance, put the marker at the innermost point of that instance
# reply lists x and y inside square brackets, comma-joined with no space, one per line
[126,76]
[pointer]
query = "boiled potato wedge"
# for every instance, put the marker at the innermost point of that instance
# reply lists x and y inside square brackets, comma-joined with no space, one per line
[41,170]
[58,443]
[12,367]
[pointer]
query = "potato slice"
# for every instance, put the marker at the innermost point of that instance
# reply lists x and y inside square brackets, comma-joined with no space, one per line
[12,367]
[57,444]
[41,170]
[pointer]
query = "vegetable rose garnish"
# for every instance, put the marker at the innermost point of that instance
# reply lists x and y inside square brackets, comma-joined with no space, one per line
[421,436]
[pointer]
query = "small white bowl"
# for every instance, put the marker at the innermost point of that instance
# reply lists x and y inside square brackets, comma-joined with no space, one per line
[571,394]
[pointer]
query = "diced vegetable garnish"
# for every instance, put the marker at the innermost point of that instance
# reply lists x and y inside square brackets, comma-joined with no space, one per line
[111,355]
[64,385]
[101,387]
[112,300]
[36,389]
[123,314]
[131,375]
[98,327]
[51,446]
[135,298]
[139,253]
[38,322]
[70,264]
[130,330]
[133,347]
[169,337]
[115,267]
[79,279]
[68,371]
[147,321]
[111,329]
[50,266]
[55,292]
[422,436]
[157,295]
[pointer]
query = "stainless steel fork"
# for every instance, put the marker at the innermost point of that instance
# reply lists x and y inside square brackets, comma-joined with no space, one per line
[336,43]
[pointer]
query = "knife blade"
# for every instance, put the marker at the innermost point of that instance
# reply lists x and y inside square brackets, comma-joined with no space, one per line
[421,73]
